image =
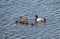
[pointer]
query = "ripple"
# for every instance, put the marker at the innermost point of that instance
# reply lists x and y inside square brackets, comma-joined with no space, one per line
[12,10]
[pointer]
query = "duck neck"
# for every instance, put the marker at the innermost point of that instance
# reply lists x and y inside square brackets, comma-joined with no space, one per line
[35,18]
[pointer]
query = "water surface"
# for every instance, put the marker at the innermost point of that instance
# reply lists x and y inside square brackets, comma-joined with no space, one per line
[11,10]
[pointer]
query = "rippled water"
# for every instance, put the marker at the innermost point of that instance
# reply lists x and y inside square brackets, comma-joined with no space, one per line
[10,10]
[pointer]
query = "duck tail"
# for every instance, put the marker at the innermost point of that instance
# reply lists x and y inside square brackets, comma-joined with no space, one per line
[44,19]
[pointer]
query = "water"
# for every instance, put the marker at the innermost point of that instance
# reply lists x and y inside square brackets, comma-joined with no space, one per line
[10,10]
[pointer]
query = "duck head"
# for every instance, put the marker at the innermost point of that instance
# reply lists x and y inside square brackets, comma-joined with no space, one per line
[36,16]
[32,23]
[21,17]
[16,21]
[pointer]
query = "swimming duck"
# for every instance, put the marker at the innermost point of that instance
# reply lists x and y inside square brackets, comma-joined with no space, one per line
[39,19]
[32,23]
[22,20]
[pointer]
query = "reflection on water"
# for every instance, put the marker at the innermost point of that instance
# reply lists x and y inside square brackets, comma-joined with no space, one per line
[10,10]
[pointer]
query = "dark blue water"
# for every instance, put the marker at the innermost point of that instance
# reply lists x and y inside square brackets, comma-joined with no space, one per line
[11,10]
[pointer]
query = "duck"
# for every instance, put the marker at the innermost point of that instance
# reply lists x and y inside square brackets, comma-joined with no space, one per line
[39,19]
[32,23]
[22,20]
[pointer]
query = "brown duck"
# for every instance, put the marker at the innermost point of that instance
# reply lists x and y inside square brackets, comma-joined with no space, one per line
[22,20]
